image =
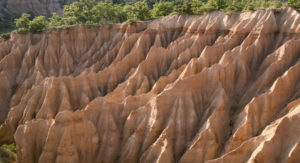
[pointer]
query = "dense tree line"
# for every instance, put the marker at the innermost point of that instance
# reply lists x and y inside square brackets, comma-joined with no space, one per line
[92,13]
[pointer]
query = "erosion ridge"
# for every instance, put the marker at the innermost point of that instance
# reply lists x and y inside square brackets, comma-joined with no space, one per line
[212,88]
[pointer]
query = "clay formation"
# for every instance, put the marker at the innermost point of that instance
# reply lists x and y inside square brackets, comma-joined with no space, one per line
[212,88]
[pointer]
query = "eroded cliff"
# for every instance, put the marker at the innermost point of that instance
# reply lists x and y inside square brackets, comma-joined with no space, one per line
[212,88]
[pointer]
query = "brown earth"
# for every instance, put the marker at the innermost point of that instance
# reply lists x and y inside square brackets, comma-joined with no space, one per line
[213,88]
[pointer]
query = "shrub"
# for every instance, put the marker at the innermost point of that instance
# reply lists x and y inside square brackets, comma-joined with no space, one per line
[208,7]
[8,153]
[55,20]
[22,30]
[5,36]
[79,12]
[23,21]
[185,8]
[197,7]
[250,6]
[138,11]
[294,3]
[275,4]
[142,11]
[38,24]
[219,4]
[131,21]
[108,13]
[277,10]
[162,9]
[234,6]
[129,12]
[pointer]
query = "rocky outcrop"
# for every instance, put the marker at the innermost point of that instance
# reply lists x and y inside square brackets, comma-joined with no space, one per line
[212,88]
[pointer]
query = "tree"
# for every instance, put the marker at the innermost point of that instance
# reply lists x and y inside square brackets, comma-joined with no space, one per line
[162,9]
[250,6]
[79,12]
[208,7]
[119,14]
[138,11]
[23,21]
[38,24]
[55,20]
[196,7]
[185,8]
[293,3]
[234,5]
[129,12]
[142,11]
[221,4]
[107,12]
[218,4]
[275,4]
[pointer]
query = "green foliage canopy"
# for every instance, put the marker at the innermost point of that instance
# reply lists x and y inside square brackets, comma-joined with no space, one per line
[162,9]
[8,153]
[293,3]
[38,24]
[107,12]
[142,11]
[79,12]
[117,11]
[23,21]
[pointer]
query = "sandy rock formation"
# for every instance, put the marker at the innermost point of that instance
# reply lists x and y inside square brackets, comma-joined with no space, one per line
[212,88]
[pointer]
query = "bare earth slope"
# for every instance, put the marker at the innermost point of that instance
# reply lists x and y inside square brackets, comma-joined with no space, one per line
[212,88]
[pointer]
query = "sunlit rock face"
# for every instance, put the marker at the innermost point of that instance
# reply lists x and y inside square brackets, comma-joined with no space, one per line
[212,88]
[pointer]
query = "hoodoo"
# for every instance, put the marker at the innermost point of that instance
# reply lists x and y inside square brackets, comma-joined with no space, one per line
[212,88]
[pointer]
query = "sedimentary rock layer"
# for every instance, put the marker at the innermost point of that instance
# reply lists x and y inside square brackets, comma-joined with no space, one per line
[212,88]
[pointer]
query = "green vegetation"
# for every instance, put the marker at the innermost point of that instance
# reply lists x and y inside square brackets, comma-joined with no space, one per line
[22,23]
[5,36]
[162,9]
[140,11]
[294,3]
[131,21]
[94,13]
[8,153]
[38,24]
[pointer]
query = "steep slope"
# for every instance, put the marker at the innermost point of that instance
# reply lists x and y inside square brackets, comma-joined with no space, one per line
[212,88]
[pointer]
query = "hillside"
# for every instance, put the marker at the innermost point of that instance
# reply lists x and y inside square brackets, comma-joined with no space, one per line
[11,9]
[37,7]
[211,88]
